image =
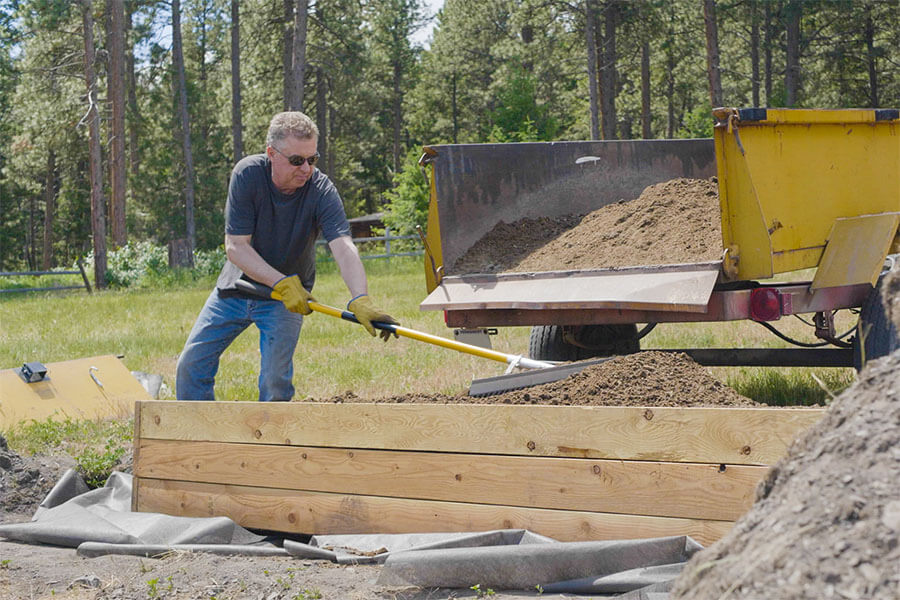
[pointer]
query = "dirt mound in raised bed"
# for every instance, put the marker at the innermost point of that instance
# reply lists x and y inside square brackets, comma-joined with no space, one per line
[675,221]
[827,520]
[644,379]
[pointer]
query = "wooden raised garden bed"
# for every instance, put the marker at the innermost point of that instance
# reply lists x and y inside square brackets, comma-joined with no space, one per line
[568,472]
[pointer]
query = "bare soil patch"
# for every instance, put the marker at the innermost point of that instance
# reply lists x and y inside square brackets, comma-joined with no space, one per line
[676,221]
[25,480]
[827,520]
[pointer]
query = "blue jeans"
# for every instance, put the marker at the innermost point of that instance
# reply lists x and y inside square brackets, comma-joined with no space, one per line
[219,323]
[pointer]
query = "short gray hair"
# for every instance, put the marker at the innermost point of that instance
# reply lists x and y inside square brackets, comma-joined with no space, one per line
[291,123]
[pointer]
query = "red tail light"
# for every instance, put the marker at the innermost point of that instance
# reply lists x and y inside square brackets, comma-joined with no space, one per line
[765,304]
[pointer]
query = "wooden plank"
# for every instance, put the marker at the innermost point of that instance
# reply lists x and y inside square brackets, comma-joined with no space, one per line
[324,513]
[697,491]
[752,436]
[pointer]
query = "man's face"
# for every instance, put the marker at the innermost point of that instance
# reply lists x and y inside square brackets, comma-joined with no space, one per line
[287,177]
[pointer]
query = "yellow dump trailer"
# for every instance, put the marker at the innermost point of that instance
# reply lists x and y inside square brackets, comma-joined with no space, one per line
[798,189]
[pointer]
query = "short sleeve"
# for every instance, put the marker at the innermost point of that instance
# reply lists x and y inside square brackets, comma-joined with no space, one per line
[240,215]
[331,216]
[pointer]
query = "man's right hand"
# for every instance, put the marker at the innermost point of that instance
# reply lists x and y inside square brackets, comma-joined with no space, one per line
[293,294]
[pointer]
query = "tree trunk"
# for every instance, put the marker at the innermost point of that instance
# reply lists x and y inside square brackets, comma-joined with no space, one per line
[181,95]
[237,127]
[794,10]
[646,116]
[754,51]
[454,108]
[590,29]
[98,203]
[287,55]
[767,47]
[608,72]
[670,77]
[49,209]
[712,53]
[298,56]
[134,120]
[115,33]
[871,56]
[397,110]
[30,243]
[322,112]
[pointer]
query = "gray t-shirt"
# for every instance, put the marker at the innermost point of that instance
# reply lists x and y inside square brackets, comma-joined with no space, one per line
[284,226]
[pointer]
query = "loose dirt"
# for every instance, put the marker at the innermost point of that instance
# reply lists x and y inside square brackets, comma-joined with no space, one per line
[826,523]
[25,480]
[827,520]
[645,379]
[677,221]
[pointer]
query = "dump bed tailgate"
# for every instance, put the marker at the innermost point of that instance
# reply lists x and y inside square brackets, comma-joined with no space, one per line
[684,287]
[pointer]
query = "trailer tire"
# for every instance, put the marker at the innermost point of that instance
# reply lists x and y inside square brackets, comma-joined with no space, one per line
[878,333]
[551,342]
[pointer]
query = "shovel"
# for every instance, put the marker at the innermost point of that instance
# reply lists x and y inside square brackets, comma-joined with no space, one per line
[263,291]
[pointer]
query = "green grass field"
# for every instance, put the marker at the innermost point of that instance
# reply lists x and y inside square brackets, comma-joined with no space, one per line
[148,328]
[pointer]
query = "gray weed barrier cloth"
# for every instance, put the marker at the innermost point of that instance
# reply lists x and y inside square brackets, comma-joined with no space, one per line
[99,522]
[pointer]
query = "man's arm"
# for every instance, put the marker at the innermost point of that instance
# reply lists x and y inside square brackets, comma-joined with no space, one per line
[354,275]
[242,254]
[352,272]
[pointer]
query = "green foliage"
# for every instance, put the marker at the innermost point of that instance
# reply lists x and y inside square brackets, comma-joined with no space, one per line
[503,71]
[78,438]
[518,117]
[482,593]
[143,264]
[96,466]
[407,201]
[697,124]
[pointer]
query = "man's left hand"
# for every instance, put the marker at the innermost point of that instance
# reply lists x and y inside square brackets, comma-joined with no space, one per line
[366,312]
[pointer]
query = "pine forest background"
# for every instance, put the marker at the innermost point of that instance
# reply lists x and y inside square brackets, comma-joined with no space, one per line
[120,120]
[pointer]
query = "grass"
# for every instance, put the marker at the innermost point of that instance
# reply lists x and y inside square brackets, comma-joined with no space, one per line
[148,328]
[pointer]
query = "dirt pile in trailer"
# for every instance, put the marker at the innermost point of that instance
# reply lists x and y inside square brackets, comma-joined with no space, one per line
[827,520]
[676,221]
[645,379]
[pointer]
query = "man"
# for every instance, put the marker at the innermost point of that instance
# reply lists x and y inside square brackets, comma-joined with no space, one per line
[277,204]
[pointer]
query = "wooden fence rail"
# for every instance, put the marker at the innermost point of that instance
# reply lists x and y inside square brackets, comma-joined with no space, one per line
[387,238]
[86,285]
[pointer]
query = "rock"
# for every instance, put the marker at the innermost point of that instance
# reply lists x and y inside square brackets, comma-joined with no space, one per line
[87,581]
[890,516]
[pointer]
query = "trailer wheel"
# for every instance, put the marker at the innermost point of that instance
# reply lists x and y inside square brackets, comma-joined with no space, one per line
[579,342]
[875,330]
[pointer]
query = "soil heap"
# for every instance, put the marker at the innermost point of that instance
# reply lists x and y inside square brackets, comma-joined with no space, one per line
[676,221]
[645,379]
[826,523]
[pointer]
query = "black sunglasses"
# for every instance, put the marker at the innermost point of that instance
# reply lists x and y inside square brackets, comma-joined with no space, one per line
[297,160]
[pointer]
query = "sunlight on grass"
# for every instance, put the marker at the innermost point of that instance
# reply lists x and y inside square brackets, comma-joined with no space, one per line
[148,328]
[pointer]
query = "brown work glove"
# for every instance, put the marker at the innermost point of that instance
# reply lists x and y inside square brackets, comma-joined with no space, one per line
[366,312]
[293,294]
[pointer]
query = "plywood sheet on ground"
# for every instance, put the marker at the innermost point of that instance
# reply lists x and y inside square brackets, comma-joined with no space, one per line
[98,387]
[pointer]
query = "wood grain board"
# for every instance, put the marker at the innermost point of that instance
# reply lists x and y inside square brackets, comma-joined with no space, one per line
[685,490]
[568,472]
[734,436]
[292,511]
